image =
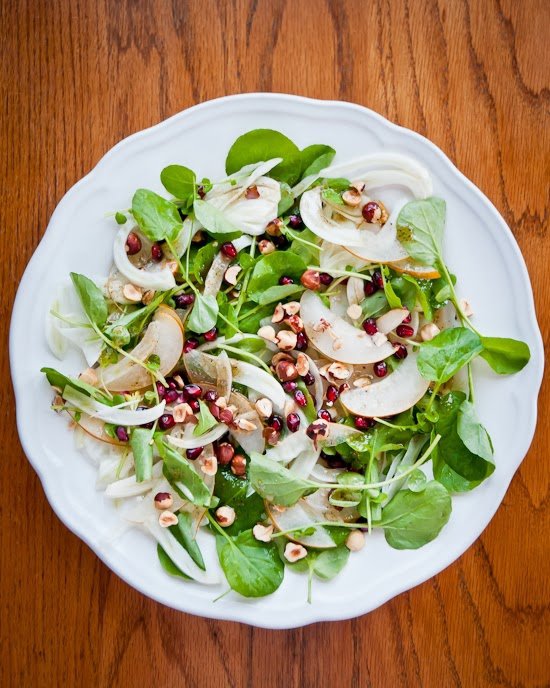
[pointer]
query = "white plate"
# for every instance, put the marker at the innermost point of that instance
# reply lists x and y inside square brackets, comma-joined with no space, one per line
[479,248]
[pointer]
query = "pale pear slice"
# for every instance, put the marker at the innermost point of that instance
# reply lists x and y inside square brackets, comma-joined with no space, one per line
[408,266]
[389,321]
[164,338]
[301,515]
[93,427]
[337,339]
[395,393]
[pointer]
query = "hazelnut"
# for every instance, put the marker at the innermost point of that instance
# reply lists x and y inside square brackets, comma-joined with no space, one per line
[167,519]
[339,371]
[311,279]
[466,308]
[238,465]
[244,425]
[132,293]
[292,307]
[209,465]
[271,436]
[148,296]
[294,552]
[358,186]
[163,500]
[179,381]
[264,407]
[295,323]
[265,247]
[274,227]
[182,413]
[89,376]
[374,212]
[267,332]
[278,313]
[226,416]
[198,237]
[354,311]
[252,192]
[286,340]
[352,197]
[286,370]
[318,428]
[355,541]
[302,364]
[225,453]
[231,274]
[429,331]
[262,533]
[280,356]
[225,516]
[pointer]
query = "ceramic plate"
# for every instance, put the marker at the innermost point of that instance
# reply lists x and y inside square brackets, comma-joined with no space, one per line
[479,248]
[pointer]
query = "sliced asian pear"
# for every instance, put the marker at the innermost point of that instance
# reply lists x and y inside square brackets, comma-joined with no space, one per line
[408,266]
[163,338]
[389,321]
[397,392]
[301,515]
[337,339]
[94,427]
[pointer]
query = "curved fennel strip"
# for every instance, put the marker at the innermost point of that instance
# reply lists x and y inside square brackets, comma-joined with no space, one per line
[112,414]
[160,280]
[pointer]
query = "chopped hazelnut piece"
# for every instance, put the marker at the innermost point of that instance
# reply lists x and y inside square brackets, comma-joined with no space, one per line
[167,519]
[262,533]
[225,516]
[286,340]
[429,331]
[89,376]
[265,247]
[278,313]
[231,274]
[302,364]
[264,407]
[182,413]
[352,197]
[148,296]
[355,541]
[267,332]
[354,311]
[466,308]
[163,501]
[132,293]
[209,465]
[295,552]
[292,307]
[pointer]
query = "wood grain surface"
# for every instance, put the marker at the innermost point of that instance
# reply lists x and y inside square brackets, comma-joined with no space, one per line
[77,76]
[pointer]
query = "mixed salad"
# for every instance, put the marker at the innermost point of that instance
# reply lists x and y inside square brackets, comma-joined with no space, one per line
[278,361]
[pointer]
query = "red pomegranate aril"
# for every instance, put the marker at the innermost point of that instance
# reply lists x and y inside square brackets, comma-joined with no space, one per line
[228,249]
[400,351]
[343,388]
[308,379]
[325,278]
[166,421]
[372,211]
[332,394]
[181,398]
[285,279]
[301,341]
[300,398]
[404,331]
[156,252]
[252,192]
[370,288]
[377,279]
[294,221]
[380,369]
[190,344]
[192,391]
[133,244]
[226,416]
[370,326]
[194,453]
[184,300]
[293,422]
[122,434]
[194,405]
[275,422]
[210,395]
[362,423]
[171,396]
[200,191]
[324,415]
[408,319]
[289,386]
[211,335]
[161,390]
[214,410]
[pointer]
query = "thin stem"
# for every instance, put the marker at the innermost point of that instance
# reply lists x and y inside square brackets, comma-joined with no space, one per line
[432,398]
[471,396]
[454,299]
[237,330]
[183,272]
[241,352]
[342,273]
[298,238]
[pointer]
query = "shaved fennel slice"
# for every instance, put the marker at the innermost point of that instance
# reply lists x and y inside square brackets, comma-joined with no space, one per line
[305,461]
[214,277]
[335,257]
[337,433]
[112,414]
[129,487]
[413,452]
[325,475]
[242,242]
[289,447]
[190,441]
[189,229]
[161,280]
[302,515]
[355,290]
[224,375]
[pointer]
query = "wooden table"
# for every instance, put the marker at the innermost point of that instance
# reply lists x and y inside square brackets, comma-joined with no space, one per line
[77,76]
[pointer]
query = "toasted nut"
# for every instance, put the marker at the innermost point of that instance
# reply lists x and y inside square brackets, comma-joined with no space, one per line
[271,436]
[244,425]
[225,516]
[352,197]
[292,307]
[354,311]
[132,293]
[311,279]
[265,247]
[295,323]
[302,364]
[182,413]
[167,518]
[221,402]
[179,381]
[318,428]
[209,465]
[355,541]
[278,314]
[429,331]
[264,407]
[89,376]
[238,465]
[280,356]
[225,452]
[198,237]
[286,340]
[148,296]
[267,332]
[294,552]
[358,186]
[274,227]
[339,371]
[378,338]
[226,416]
[322,326]
[252,192]
[466,307]
[231,274]
[286,370]
[374,212]
[262,533]
[163,501]
[362,382]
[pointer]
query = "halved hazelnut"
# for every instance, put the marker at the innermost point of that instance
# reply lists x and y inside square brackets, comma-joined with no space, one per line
[311,279]
[264,407]
[292,307]
[265,247]
[132,293]
[225,516]
[286,370]
[287,340]
[302,364]
[262,533]
[278,314]
[267,332]
[352,197]
[231,274]
[295,323]
[167,519]
[163,500]
[294,552]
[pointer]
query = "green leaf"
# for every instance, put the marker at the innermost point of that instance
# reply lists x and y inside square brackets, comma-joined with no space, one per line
[412,519]
[276,483]
[157,218]
[60,381]
[328,564]
[232,491]
[375,305]
[332,196]
[423,291]
[315,158]
[92,300]
[215,221]
[270,268]
[180,181]
[169,566]
[184,532]
[505,356]
[278,293]
[337,183]
[204,314]
[206,420]
[252,568]
[251,323]
[393,300]
[203,260]
[420,227]
[120,218]
[287,199]
[443,356]
[261,145]
[472,433]
[140,444]
[182,476]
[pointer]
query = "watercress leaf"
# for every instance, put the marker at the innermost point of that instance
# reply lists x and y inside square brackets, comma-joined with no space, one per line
[472,433]
[169,566]
[140,444]
[92,300]
[60,381]
[184,532]
[375,305]
[443,356]
[120,218]
[332,196]
[276,483]
[505,356]
[260,145]
[330,562]
[309,254]
[232,491]
[393,300]
[204,314]
[206,420]
[180,181]
[182,476]
[338,184]
[444,474]
[251,323]
[412,519]
[214,221]
[420,226]
[278,293]
[245,260]
[422,289]
[252,568]
[203,260]
[315,158]
[465,463]
[157,217]
[270,268]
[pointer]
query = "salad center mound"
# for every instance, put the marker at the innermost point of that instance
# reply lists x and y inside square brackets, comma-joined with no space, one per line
[279,358]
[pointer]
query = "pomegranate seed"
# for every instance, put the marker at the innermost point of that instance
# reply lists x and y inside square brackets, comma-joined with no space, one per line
[280,241]
[184,300]
[133,244]
[369,288]
[192,391]
[400,351]
[294,221]
[211,335]
[171,383]
[332,394]
[181,398]
[286,280]
[166,421]
[156,252]
[194,453]
[194,405]
[378,279]
[301,341]
[210,395]
[252,192]
[190,344]
[161,390]
[362,423]
[289,386]
[343,388]
[334,461]
[300,398]
[404,331]
[370,326]
[408,319]
[380,369]
[293,422]
[229,250]
[200,191]
[372,212]
[325,415]
[226,416]
[122,434]
[214,410]
[276,422]
[325,278]
[171,396]
[308,379]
